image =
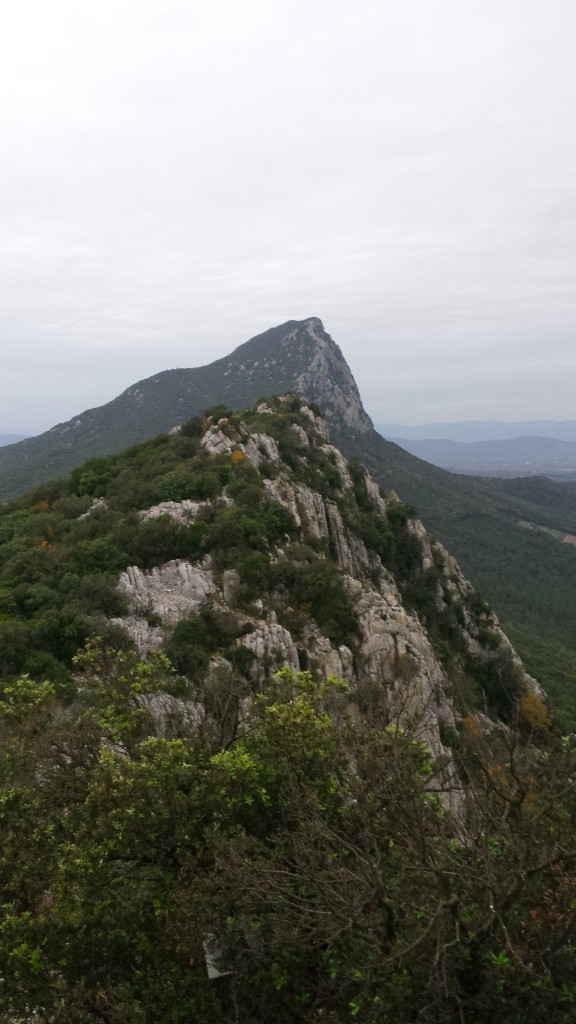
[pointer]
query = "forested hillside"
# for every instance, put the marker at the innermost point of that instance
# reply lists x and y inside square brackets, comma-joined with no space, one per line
[265,753]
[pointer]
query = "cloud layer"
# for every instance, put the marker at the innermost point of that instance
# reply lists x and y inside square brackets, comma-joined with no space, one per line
[178,177]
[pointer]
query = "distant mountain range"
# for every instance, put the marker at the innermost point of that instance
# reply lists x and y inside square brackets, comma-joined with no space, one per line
[527,574]
[520,456]
[480,430]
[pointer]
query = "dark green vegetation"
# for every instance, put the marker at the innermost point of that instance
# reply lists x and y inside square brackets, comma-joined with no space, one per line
[60,555]
[132,861]
[553,665]
[59,565]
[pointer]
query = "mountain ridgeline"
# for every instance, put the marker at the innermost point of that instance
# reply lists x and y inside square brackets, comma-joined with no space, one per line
[525,572]
[297,356]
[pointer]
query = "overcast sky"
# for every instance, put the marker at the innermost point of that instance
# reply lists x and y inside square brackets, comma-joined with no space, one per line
[178,176]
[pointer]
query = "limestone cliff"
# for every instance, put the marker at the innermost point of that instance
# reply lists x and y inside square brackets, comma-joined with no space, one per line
[349,584]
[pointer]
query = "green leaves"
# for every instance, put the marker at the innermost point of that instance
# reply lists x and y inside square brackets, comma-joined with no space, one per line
[312,849]
[24,698]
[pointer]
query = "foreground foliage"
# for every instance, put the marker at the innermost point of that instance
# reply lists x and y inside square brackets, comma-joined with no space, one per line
[314,858]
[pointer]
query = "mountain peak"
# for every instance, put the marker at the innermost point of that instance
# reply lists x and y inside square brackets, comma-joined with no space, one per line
[311,363]
[298,356]
[329,382]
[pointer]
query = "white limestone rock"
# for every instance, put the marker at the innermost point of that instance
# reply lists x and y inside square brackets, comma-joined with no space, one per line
[186,511]
[340,463]
[98,503]
[216,442]
[374,493]
[172,591]
[305,505]
[351,552]
[330,383]
[230,584]
[273,648]
[326,659]
[300,435]
[172,715]
[258,447]
[391,641]
[145,636]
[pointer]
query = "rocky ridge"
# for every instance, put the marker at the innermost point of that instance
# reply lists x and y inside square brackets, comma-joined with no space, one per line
[392,649]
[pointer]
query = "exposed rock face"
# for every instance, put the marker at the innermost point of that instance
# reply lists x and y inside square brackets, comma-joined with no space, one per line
[257,446]
[144,635]
[390,652]
[98,503]
[350,550]
[272,646]
[171,592]
[216,442]
[395,651]
[185,512]
[304,505]
[328,381]
[173,715]
[324,657]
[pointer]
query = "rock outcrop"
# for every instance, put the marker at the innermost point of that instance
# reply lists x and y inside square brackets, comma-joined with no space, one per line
[389,650]
[328,381]
[170,592]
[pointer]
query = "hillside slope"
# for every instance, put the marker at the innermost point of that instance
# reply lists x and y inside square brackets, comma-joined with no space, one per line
[254,521]
[528,577]
[201,837]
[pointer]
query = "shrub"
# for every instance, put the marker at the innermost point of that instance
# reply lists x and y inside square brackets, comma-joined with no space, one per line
[194,427]
[318,586]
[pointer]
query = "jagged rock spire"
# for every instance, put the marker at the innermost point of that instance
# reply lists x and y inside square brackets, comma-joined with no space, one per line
[301,356]
[328,381]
